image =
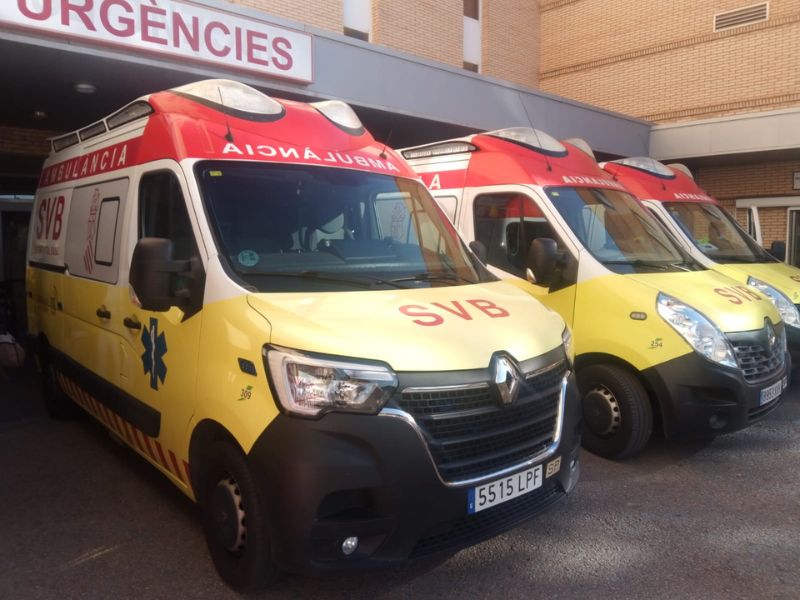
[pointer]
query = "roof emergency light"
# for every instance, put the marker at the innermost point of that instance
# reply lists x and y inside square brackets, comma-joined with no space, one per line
[231,95]
[682,168]
[442,149]
[648,165]
[340,114]
[582,144]
[531,138]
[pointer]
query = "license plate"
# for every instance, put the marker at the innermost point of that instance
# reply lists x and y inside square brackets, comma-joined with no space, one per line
[769,394]
[502,490]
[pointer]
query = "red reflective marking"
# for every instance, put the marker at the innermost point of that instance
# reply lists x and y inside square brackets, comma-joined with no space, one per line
[188,472]
[161,454]
[96,408]
[175,464]
[146,439]
[132,436]
[122,423]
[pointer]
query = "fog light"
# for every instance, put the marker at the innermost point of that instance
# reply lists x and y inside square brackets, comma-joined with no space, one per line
[573,463]
[349,545]
[717,422]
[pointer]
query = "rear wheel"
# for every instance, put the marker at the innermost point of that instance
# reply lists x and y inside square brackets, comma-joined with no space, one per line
[234,519]
[57,404]
[617,416]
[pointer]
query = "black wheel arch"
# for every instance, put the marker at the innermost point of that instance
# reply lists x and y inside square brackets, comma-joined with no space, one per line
[206,433]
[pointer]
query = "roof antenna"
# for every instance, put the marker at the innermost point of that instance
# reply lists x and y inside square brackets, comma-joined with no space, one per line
[228,134]
[383,154]
[535,133]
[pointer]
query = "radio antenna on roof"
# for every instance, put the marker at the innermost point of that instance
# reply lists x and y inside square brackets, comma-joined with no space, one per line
[535,133]
[228,134]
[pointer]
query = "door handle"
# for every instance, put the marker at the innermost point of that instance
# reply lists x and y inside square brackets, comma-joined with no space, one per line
[103,313]
[132,323]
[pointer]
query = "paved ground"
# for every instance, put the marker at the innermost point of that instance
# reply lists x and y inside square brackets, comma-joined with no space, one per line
[81,517]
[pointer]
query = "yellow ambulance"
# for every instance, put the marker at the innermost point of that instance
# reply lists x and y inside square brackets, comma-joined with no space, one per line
[267,305]
[660,340]
[710,234]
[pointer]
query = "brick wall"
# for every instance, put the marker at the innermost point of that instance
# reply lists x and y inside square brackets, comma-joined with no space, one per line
[431,29]
[510,40]
[27,142]
[663,62]
[325,14]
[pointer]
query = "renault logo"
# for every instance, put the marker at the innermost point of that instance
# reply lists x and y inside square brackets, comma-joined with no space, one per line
[506,378]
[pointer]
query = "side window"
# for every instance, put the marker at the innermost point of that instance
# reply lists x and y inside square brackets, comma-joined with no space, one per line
[162,213]
[507,224]
[93,237]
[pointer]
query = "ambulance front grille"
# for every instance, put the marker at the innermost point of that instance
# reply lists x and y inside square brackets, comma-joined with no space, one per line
[756,361]
[470,435]
[757,357]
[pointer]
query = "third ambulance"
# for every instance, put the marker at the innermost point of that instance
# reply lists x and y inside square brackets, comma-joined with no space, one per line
[710,234]
[658,337]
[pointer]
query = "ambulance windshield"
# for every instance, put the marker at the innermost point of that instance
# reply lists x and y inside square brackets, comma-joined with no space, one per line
[308,228]
[715,233]
[617,231]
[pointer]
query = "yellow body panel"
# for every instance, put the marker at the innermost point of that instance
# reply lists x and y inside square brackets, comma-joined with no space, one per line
[784,278]
[601,321]
[431,329]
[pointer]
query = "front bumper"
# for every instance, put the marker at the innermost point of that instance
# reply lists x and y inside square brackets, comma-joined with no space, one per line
[373,477]
[699,398]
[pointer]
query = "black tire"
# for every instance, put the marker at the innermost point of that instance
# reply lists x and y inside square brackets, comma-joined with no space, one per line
[234,519]
[617,415]
[57,404]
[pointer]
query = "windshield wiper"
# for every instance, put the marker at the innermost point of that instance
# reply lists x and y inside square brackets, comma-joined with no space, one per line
[638,262]
[430,276]
[733,258]
[364,282]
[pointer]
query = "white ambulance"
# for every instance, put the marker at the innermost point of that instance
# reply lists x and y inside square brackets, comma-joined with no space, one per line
[267,305]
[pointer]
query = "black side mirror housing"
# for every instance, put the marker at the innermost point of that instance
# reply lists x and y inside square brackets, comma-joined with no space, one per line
[543,260]
[152,274]
[479,250]
[778,250]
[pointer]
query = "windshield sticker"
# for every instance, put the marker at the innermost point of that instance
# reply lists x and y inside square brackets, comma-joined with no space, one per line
[248,258]
[155,347]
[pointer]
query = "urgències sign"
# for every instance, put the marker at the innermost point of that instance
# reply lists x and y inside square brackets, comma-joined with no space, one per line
[177,28]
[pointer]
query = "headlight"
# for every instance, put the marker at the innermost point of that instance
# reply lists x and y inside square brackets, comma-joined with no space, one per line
[787,310]
[310,386]
[696,329]
[569,350]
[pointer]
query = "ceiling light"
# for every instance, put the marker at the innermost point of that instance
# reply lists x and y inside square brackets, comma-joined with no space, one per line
[39,115]
[85,88]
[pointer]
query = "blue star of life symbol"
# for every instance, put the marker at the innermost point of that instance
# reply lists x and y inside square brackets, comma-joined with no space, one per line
[155,347]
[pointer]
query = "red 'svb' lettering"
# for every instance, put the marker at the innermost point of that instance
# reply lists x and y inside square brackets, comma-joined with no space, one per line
[48,219]
[738,294]
[427,317]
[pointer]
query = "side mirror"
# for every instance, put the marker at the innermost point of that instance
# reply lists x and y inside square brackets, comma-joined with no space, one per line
[778,250]
[479,250]
[153,272]
[543,259]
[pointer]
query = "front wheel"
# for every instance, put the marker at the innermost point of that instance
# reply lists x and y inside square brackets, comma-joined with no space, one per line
[234,519]
[617,416]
